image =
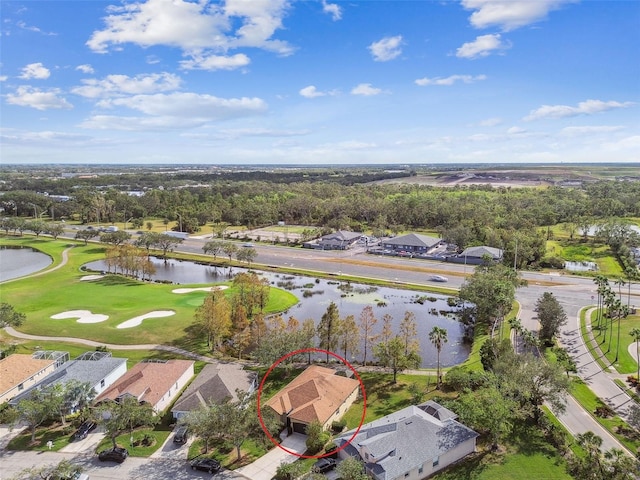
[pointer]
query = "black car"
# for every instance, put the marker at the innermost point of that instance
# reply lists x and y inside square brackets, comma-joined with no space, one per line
[324,465]
[181,435]
[206,465]
[84,429]
[115,455]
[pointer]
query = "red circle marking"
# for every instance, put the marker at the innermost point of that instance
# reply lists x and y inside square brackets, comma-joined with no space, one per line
[297,352]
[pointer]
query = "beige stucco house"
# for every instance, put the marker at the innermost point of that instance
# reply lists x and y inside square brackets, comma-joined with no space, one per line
[317,394]
[154,382]
[19,372]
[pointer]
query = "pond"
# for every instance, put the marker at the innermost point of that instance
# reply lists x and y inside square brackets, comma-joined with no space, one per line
[429,309]
[20,261]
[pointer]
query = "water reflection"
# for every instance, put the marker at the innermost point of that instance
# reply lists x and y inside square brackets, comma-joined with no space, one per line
[21,261]
[432,311]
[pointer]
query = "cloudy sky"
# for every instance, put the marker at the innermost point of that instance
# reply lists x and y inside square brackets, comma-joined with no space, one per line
[320,81]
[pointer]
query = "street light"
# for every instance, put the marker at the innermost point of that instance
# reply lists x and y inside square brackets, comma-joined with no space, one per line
[180,220]
[127,221]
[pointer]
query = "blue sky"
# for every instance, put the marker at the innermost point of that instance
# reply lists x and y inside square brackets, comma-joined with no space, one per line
[320,82]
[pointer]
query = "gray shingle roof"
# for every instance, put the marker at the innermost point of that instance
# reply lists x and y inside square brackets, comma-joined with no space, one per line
[405,440]
[479,252]
[216,383]
[413,240]
[91,370]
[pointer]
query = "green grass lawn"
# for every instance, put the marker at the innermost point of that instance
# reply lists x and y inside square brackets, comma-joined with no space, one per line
[119,297]
[226,453]
[583,394]
[133,442]
[384,397]
[625,363]
[526,456]
[58,435]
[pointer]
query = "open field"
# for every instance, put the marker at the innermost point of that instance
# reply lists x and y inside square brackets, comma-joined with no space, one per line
[120,298]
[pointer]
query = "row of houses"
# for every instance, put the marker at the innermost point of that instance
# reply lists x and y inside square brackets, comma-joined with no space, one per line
[411,443]
[155,382]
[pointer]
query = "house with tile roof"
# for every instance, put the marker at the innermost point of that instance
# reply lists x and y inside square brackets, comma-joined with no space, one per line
[216,383]
[19,372]
[410,444]
[98,369]
[413,243]
[317,394]
[156,382]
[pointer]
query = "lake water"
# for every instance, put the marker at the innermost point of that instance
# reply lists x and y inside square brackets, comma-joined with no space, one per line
[18,262]
[383,300]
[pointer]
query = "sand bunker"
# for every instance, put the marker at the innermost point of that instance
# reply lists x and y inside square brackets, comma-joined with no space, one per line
[83,316]
[200,289]
[134,322]
[87,278]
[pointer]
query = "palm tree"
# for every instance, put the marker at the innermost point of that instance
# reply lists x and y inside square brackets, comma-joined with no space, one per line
[438,337]
[515,325]
[635,334]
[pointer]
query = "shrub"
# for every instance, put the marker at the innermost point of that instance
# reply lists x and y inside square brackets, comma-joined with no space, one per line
[338,426]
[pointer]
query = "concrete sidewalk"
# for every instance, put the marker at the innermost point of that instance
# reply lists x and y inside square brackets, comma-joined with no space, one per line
[265,467]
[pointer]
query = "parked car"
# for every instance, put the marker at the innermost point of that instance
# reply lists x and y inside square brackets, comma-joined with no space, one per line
[114,455]
[84,429]
[438,278]
[205,464]
[324,465]
[181,435]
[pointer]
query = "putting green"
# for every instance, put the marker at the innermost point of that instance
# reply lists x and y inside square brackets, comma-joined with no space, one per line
[120,298]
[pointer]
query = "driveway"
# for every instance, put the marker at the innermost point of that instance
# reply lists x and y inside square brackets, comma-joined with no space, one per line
[265,467]
[173,451]
[87,445]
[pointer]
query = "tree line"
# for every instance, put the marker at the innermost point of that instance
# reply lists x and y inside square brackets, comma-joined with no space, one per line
[473,215]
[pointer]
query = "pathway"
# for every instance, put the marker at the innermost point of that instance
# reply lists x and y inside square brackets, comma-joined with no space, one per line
[91,343]
[65,259]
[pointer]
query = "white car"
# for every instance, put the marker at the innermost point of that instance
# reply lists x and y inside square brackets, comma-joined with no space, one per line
[438,278]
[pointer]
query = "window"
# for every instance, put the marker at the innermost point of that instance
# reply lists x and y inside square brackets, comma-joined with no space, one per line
[420,470]
[436,461]
[406,475]
[102,383]
[21,387]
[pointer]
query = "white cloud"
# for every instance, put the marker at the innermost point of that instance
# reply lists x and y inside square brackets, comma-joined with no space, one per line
[516,131]
[482,46]
[86,68]
[490,122]
[27,96]
[35,70]
[3,78]
[216,62]
[152,59]
[627,143]
[194,26]
[259,132]
[386,49]
[511,14]
[589,130]
[588,107]
[185,105]
[365,89]
[45,137]
[311,92]
[123,84]
[21,24]
[115,122]
[447,81]
[332,9]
